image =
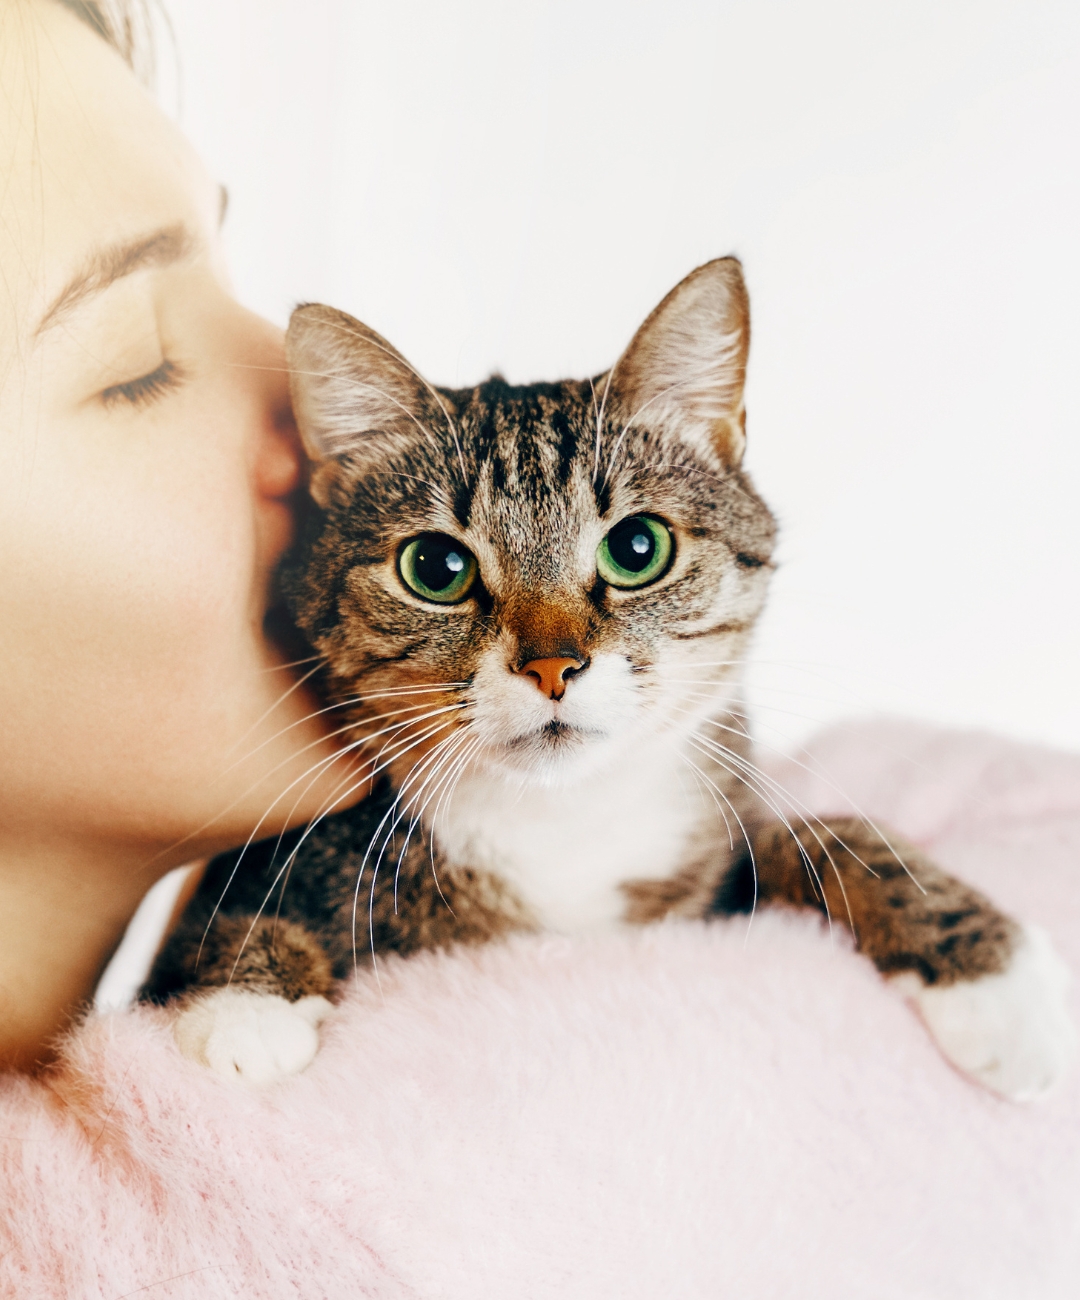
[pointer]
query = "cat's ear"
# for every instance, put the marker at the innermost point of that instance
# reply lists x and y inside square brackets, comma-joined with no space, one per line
[348,384]
[685,368]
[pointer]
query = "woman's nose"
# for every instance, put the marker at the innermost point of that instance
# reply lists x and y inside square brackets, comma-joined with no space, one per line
[279,455]
[279,461]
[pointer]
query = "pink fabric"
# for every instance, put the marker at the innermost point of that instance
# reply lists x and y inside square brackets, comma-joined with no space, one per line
[688,1111]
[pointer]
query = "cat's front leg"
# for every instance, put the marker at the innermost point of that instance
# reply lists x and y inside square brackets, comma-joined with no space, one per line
[991,991]
[251,994]
[250,983]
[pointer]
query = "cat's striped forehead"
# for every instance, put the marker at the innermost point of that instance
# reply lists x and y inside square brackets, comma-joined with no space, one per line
[544,449]
[527,477]
[528,436]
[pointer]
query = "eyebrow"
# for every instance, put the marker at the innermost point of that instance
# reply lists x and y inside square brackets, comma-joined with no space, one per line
[111,263]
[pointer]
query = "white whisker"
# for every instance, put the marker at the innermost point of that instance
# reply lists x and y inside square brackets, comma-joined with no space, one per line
[802,809]
[308,830]
[781,816]
[717,792]
[336,798]
[391,812]
[294,663]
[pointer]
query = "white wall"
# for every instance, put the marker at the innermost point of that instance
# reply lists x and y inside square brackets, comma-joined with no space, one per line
[493,183]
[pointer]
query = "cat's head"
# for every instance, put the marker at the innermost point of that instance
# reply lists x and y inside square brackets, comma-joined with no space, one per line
[525,577]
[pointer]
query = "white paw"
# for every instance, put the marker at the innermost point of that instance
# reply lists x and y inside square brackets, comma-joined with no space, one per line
[244,1034]
[1011,1032]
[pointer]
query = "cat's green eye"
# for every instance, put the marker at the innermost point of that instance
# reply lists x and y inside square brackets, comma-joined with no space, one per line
[437,568]
[636,551]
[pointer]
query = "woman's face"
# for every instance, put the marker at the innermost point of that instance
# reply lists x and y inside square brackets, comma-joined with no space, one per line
[146,461]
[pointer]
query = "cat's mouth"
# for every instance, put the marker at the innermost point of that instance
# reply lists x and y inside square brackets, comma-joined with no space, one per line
[558,731]
[552,736]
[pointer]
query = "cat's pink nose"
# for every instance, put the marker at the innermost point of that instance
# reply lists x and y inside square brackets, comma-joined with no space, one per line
[551,675]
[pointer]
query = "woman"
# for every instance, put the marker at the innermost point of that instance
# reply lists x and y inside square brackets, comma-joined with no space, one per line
[147,460]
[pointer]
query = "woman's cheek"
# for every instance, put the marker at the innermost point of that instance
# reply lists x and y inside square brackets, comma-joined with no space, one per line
[157,552]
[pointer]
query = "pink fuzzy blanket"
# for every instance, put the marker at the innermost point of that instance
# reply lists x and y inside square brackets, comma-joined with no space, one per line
[686,1111]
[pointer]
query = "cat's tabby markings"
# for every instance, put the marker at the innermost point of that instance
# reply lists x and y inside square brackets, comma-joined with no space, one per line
[532,604]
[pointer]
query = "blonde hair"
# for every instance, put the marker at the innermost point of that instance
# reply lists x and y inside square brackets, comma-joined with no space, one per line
[127,25]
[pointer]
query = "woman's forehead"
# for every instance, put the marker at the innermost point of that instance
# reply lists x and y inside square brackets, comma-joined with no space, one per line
[90,162]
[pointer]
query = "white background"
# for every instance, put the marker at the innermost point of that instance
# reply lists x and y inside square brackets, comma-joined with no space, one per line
[514,185]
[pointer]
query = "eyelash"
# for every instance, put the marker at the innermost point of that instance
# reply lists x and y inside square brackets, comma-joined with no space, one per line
[147,388]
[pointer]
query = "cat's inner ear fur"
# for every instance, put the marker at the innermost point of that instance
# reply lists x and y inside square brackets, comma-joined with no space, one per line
[685,368]
[349,386]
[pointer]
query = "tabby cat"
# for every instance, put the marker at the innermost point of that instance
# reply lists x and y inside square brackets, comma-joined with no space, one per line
[531,605]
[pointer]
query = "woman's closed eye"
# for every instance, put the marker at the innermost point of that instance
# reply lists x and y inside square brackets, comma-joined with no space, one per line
[147,388]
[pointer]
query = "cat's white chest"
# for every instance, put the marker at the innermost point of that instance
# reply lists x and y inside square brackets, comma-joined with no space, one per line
[565,851]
